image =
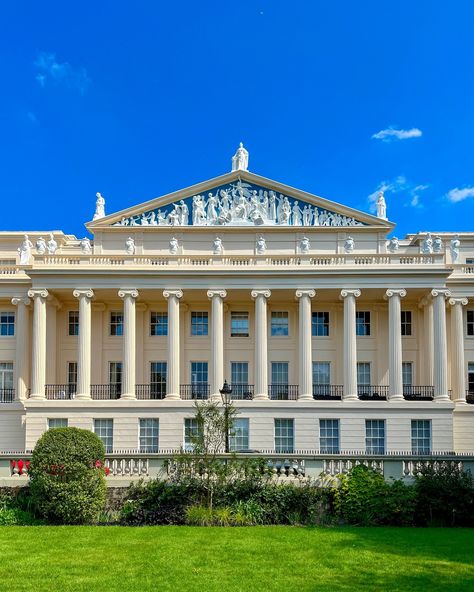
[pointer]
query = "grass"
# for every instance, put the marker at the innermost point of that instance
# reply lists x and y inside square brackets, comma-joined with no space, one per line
[168,558]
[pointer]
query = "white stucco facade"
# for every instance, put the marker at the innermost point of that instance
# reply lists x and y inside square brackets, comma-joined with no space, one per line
[307,318]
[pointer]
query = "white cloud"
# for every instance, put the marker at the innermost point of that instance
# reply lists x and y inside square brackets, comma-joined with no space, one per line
[397,186]
[457,194]
[389,134]
[52,71]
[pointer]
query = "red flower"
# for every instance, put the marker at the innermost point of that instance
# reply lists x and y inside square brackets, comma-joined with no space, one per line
[98,464]
[107,471]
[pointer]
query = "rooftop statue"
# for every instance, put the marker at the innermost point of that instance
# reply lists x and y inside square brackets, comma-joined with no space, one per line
[455,248]
[25,250]
[381,206]
[99,207]
[240,160]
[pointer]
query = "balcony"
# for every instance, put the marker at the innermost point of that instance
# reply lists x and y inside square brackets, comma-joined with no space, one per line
[106,391]
[283,392]
[150,391]
[60,391]
[327,392]
[370,392]
[242,392]
[197,391]
[7,395]
[418,393]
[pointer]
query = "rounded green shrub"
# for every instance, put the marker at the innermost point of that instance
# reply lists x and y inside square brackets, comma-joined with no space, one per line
[68,477]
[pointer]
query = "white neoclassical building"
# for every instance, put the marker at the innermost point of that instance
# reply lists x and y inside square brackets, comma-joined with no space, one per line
[332,337]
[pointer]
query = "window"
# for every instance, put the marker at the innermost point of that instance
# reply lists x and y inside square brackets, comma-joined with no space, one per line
[199,323]
[73,322]
[6,377]
[284,435]
[468,261]
[115,378]
[104,428]
[329,436]
[363,323]
[406,323]
[375,436]
[320,324]
[159,323]
[199,372]
[239,324]
[57,422]
[279,326]
[116,323]
[470,377]
[7,324]
[239,435]
[191,432]
[149,434]
[363,373]
[322,373]
[158,372]
[72,373]
[421,436]
[407,373]
[279,372]
[470,322]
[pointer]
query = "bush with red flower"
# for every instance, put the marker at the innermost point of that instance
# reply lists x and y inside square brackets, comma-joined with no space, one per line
[67,473]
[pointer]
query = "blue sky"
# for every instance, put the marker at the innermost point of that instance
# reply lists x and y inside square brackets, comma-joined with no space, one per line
[138,99]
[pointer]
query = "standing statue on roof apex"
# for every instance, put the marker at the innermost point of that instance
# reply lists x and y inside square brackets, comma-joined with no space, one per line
[381,206]
[240,160]
[99,207]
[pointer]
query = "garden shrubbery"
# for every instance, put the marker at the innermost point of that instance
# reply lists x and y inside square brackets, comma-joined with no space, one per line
[68,477]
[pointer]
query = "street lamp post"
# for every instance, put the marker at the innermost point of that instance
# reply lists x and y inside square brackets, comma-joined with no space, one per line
[226,392]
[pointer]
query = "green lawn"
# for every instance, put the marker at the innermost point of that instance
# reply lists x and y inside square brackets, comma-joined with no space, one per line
[235,559]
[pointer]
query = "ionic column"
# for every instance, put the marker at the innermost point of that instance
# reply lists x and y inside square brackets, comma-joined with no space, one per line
[84,344]
[38,346]
[217,341]
[350,344]
[129,343]
[458,372]
[21,337]
[440,360]
[172,380]
[261,348]
[428,340]
[305,391]
[395,374]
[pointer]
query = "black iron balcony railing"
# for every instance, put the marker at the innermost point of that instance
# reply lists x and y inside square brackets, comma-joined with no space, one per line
[150,391]
[198,390]
[283,392]
[372,392]
[60,391]
[418,393]
[242,391]
[7,395]
[322,392]
[106,391]
[470,396]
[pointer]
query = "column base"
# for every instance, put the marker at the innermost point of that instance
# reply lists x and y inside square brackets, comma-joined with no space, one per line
[173,397]
[306,397]
[128,396]
[82,397]
[37,397]
[261,397]
[460,401]
[395,398]
[441,398]
[352,397]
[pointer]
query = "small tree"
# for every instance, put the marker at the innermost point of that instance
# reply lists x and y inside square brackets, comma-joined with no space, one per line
[68,476]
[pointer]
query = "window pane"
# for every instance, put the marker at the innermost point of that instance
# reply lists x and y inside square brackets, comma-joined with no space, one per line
[191,431]
[329,436]
[239,372]
[421,436]
[284,435]
[6,376]
[199,372]
[363,373]
[7,324]
[320,324]
[470,377]
[239,435]
[72,373]
[470,322]
[279,372]
[57,422]
[407,372]
[363,323]
[321,373]
[375,436]
[115,377]
[199,323]
[239,324]
[158,372]
[104,428]
[149,435]
[159,323]
[279,325]
[116,323]
[406,322]
[73,322]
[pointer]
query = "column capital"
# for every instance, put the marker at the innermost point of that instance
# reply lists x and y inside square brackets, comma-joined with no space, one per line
[257,293]
[16,300]
[176,293]
[212,293]
[345,293]
[391,292]
[300,293]
[132,292]
[83,293]
[38,293]
[461,301]
[440,292]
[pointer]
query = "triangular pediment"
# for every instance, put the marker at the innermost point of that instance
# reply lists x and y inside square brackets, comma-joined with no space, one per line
[239,198]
